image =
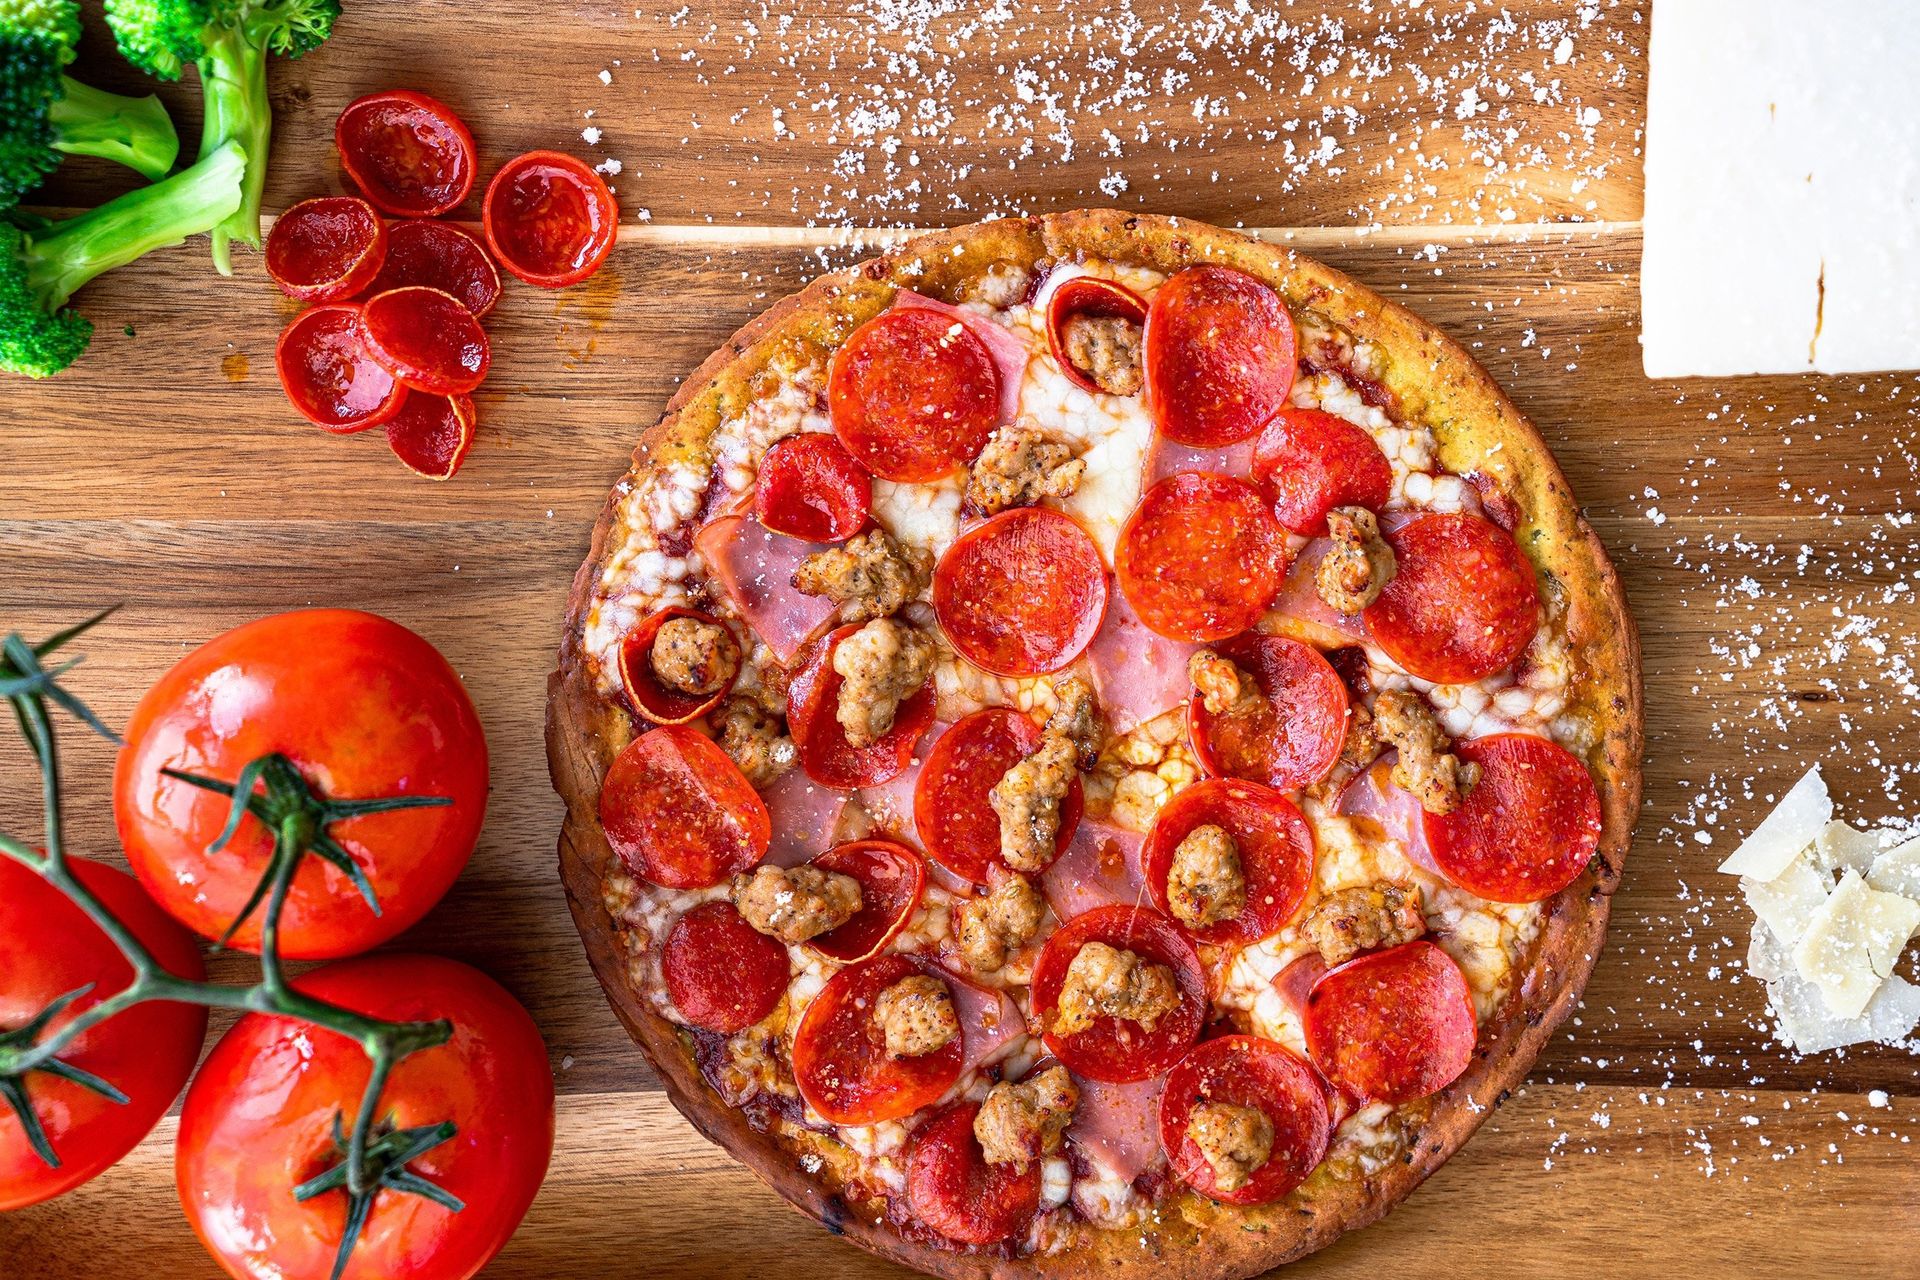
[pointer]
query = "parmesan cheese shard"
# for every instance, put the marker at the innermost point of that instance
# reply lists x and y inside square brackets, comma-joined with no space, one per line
[1851,942]
[1808,1026]
[1841,845]
[1796,822]
[1786,903]
[1898,870]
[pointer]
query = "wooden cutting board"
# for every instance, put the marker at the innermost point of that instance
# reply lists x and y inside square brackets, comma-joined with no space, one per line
[1482,168]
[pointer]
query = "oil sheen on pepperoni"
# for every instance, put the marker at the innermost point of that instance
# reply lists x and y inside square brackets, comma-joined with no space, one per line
[1248,1071]
[723,974]
[1022,594]
[679,813]
[825,753]
[892,878]
[1310,462]
[952,1188]
[951,804]
[1218,356]
[913,395]
[1276,854]
[811,488]
[1462,604]
[840,1058]
[1527,829]
[1201,557]
[646,693]
[1114,1049]
[1290,739]
[1392,1026]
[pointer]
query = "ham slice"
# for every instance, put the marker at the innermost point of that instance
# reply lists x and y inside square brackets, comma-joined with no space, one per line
[990,1020]
[1137,672]
[1372,797]
[1117,1126]
[1165,458]
[804,815]
[1100,867]
[1294,981]
[755,567]
[1308,617]
[1010,354]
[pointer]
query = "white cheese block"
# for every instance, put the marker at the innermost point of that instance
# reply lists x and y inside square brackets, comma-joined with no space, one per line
[1787,903]
[1898,870]
[1851,941]
[1795,823]
[1841,845]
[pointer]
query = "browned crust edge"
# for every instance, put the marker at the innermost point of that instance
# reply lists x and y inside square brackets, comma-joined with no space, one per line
[1479,428]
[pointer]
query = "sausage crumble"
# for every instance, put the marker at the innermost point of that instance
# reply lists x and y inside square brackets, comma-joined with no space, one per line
[871,575]
[1235,1141]
[1018,468]
[1206,884]
[990,929]
[1104,981]
[1107,350]
[1426,767]
[880,666]
[1364,919]
[694,657]
[916,1016]
[796,903]
[1020,1123]
[1360,563]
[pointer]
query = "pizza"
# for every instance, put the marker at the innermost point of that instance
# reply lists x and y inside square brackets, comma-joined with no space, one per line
[1092,742]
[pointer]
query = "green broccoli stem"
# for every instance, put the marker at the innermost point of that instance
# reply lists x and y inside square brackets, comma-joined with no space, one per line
[153,217]
[233,79]
[135,132]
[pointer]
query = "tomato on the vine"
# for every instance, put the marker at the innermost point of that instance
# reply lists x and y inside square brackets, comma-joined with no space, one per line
[363,708]
[259,1120]
[49,948]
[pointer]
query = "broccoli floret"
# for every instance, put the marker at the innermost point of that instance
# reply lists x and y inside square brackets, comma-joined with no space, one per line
[43,264]
[228,40]
[45,113]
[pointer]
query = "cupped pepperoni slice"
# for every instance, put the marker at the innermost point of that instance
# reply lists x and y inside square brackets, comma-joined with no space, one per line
[892,878]
[328,375]
[1310,462]
[1247,1071]
[1462,603]
[723,974]
[825,753]
[952,808]
[440,256]
[426,340]
[1289,740]
[811,488]
[1088,296]
[1276,849]
[840,1058]
[952,1189]
[1392,1026]
[327,249]
[549,219]
[1119,1050]
[1527,829]
[1201,557]
[1218,356]
[411,155]
[431,434]
[679,812]
[913,394]
[1022,594]
[646,693]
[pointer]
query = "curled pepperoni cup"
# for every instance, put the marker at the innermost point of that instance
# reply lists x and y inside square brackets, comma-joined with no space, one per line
[812,704]
[952,1189]
[1274,842]
[328,375]
[1462,604]
[1310,462]
[1022,594]
[1117,1050]
[811,488]
[1527,829]
[1201,557]
[1292,737]
[440,256]
[549,219]
[1247,1071]
[327,249]
[1393,1025]
[952,805]
[913,394]
[723,974]
[680,813]
[431,434]
[647,694]
[1218,356]
[410,155]
[426,340]
[1093,297]
[892,877]
[840,1058]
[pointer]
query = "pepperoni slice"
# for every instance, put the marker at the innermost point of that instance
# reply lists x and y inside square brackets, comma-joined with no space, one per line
[411,155]
[327,374]
[440,256]
[1276,854]
[431,434]
[1527,829]
[913,394]
[1114,1049]
[811,488]
[951,805]
[1248,1071]
[326,250]
[829,759]
[1462,604]
[1310,462]
[680,813]
[952,1188]
[549,219]
[1290,741]
[426,340]
[723,974]
[1394,1025]
[1218,356]
[646,694]
[1087,296]
[1200,557]
[840,1058]
[892,877]
[1022,594]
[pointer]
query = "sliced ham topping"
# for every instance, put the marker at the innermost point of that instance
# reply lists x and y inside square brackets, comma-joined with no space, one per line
[755,568]
[1010,354]
[990,1020]
[804,814]
[1137,672]
[1100,867]
[1371,797]
[1167,457]
[1117,1127]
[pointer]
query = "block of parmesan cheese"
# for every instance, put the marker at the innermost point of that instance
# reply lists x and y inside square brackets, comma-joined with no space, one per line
[1851,941]
[1795,823]
[1898,870]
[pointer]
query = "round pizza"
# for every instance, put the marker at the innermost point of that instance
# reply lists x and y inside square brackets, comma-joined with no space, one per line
[1092,741]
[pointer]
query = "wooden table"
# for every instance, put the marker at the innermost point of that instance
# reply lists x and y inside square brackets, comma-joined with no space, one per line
[1476,167]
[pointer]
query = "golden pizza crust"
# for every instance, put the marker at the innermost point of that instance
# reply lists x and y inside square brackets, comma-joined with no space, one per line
[1431,380]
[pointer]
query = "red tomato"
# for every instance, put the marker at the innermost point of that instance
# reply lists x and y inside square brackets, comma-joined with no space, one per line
[364,708]
[48,948]
[549,219]
[259,1121]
